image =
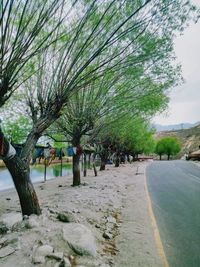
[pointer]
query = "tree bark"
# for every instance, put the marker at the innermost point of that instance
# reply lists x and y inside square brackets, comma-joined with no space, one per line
[21,177]
[89,160]
[117,161]
[103,164]
[95,169]
[76,161]
[84,164]
[20,172]
[76,170]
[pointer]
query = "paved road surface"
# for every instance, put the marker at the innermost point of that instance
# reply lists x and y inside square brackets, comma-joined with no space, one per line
[174,188]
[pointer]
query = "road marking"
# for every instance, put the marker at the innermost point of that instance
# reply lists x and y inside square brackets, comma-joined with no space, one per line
[155,228]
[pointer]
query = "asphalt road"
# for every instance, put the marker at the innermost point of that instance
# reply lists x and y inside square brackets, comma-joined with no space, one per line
[174,188]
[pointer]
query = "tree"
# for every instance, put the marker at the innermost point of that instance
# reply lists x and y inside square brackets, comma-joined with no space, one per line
[107,96]
[22,36]
[99,38]
[168,145]
[127,136]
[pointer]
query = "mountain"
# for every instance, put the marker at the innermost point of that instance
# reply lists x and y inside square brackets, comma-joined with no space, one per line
[190,138]
[181,126]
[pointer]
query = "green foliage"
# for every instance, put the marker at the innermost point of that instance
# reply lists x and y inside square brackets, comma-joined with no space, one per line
[168,145]
[17,130]
[59,138]
[128,134]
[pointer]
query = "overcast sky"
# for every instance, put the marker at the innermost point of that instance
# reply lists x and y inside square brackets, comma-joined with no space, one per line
[185,100]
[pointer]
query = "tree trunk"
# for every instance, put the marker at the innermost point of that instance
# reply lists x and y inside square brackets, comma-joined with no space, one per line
[20,172]
[103,164]
[95,169]
[21,177]
[117,161]
[160,157]
[76,171]
[84,164]
[168,157]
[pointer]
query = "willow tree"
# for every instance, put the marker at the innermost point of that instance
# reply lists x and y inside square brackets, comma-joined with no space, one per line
[113,97]
[99,37]
[128,136]
[27,27]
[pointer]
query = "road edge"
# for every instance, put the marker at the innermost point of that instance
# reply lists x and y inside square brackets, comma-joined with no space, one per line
[157,237]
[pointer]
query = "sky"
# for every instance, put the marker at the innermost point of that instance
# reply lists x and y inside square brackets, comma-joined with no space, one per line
[184,103]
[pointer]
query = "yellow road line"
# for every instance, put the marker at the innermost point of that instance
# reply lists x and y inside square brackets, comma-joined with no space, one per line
[155,228]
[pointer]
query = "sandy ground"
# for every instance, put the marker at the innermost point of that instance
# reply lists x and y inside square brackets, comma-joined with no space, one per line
[117,193]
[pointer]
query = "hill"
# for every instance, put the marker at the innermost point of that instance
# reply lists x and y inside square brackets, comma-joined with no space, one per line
[174,127]
[190,138]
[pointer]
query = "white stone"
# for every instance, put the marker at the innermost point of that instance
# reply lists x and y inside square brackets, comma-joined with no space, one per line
[38,259]
[11,218]
[111,219]
[79,238]
[6,251]
[44,250]
[33,221]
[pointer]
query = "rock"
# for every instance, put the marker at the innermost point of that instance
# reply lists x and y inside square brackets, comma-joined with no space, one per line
[107,235]
[38,259]
[66,217]
[3,228]
[25,217]
[97,226]
[56,255]
[44,250]
[6,251]
[110,227]
[33,221]
[40,253]
[111,219]
[79,239]
[11,218]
